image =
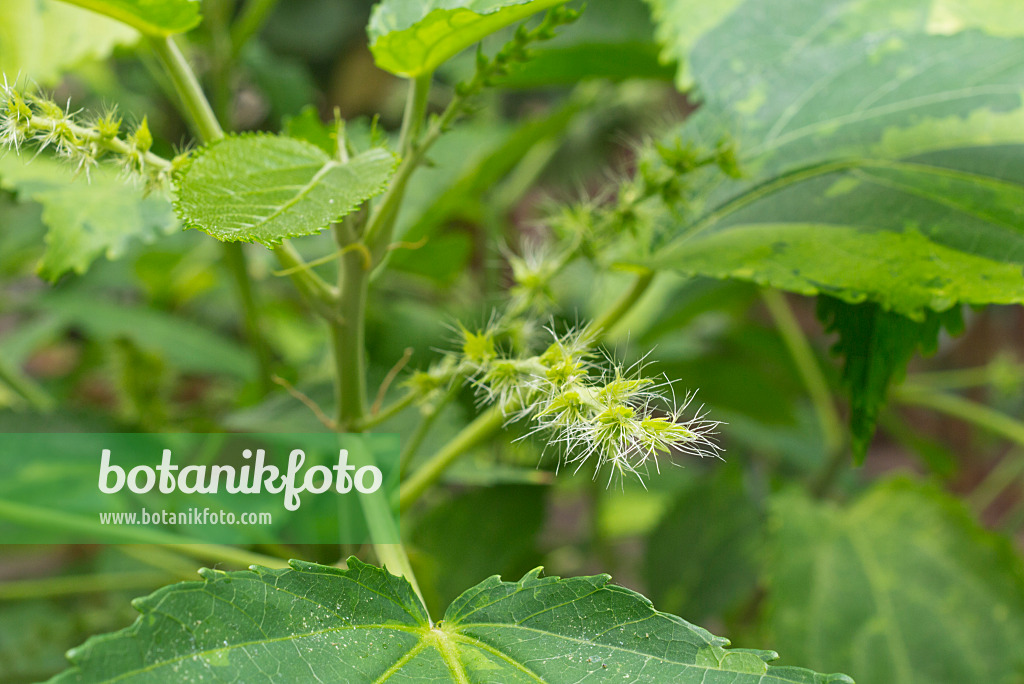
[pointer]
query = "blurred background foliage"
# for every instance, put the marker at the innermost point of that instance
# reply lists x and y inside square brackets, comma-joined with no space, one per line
[113,319]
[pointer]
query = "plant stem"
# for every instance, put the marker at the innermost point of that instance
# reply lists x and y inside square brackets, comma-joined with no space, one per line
[415,111]
[187,86]
[807,366]
[486,424]
[382,220]
[26,388]
[1009,469]
[964,409]
[226,554]
[374,419]
[999,372]
[195,104]
[422,429]
[604,323]
[160,558]
[348,334]
[234,259]
[38,516]
[323,298]
[80,584]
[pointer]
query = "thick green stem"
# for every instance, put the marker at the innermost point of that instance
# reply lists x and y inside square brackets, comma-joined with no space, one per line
[381,223]
[807,366]
[189,91]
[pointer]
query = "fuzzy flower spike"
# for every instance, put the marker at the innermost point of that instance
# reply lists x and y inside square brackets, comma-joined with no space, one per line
[594,412]
[30,119]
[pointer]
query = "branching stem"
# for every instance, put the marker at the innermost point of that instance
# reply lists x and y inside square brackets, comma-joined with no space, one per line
[491,420]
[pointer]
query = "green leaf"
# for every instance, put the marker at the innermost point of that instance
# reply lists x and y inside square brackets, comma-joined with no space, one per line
[902,587]
[319,623]
[719,568]
[681,23]
[86,220]
[265,188]
[41,39]
[876,346]
[410,38]
[152,17]
[879,166]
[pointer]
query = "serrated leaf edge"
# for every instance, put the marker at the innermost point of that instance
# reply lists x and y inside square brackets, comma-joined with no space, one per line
[328,165]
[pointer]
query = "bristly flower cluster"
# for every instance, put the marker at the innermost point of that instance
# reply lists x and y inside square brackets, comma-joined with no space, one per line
[592,409]
[31,120]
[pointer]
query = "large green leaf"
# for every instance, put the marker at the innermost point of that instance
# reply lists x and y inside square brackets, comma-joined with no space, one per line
[682,23]
[902,587]
[152,17]
[413,37]
[86,220]
[40,39]
[317,623]
[876,346]
[879,165]
[265,188]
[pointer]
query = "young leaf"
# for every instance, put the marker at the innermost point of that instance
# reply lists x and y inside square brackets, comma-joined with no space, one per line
[319,623]
[152,17]
[883,166]
[902,587]
[40,39]
[265,188]
[414,38]
[101,218]
[877,345]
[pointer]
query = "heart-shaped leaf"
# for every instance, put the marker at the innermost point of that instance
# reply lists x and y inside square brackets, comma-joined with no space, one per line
[318,623]
[266,188]
[414,38]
